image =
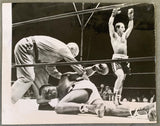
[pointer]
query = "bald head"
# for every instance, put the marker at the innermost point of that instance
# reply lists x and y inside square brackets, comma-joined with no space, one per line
[74,48]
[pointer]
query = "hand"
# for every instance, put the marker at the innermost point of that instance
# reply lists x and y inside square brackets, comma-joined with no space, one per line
[85,77]
[53,72]
[58,75]
[101,68]
[116,11]
[130,14]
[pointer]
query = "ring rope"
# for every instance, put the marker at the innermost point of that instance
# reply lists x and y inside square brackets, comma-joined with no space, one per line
[146,88]
[137,88]
[137,59]
[136,73]
[144,73]
[128,88]
[59,16]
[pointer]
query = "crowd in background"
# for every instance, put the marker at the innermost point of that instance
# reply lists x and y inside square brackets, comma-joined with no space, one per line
[129,95]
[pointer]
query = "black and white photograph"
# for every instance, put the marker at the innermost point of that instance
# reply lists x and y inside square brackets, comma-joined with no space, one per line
[78,63]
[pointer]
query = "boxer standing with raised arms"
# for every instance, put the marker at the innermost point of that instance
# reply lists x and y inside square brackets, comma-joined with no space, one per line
[119,37]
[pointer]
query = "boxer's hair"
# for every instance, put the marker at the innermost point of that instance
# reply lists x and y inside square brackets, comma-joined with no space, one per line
[42,87]
[117,25]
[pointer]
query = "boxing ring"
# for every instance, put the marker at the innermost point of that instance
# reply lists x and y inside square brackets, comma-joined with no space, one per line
[50,117]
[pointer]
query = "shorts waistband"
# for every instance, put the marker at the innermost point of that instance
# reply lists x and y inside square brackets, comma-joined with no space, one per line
[119,56]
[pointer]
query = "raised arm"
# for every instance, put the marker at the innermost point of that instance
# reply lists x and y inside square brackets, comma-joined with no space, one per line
[111,21]
[130,23]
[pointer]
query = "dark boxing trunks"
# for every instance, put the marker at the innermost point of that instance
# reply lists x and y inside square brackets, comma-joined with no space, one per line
[125,66]
[121,65]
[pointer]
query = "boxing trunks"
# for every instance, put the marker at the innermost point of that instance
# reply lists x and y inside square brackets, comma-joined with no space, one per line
[86,84]
[125,66]
[68,84]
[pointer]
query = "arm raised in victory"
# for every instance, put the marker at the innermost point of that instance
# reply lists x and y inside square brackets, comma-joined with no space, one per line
[130,24]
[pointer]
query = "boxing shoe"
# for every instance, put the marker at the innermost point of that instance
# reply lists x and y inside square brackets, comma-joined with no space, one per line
[148,109]
[152,115]
[45,106]
[116,100]
[98,109]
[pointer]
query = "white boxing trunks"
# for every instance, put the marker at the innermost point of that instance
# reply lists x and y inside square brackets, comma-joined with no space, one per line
[86,84]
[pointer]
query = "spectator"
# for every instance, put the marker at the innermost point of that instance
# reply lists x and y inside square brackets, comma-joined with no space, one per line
[133,100]
[145,99]
[129,98]
[101,89]
[138,99]
[137,95]
[124,100]
[107,94]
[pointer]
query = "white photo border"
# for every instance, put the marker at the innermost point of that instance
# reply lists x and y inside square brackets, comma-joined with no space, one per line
[6,58]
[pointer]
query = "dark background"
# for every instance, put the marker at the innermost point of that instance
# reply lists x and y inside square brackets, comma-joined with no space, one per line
[141,42]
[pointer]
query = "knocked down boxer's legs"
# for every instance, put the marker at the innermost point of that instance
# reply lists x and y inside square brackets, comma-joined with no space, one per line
[114,110]
[72,102]
[75,105]
[124,111]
